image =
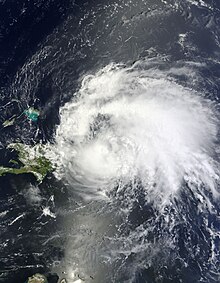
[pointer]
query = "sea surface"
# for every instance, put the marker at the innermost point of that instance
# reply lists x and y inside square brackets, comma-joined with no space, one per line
[128,94]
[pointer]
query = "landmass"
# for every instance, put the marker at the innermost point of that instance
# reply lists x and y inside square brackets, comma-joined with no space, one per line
[37,278]
[31,160]
[9,122]
[30,113]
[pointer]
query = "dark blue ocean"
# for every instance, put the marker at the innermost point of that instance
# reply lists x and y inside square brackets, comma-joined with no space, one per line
[156,217]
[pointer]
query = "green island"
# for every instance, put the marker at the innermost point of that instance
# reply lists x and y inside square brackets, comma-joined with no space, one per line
[32,161]
[37,278]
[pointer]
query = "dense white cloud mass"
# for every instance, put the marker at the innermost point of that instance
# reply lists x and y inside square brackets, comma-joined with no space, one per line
[138,122]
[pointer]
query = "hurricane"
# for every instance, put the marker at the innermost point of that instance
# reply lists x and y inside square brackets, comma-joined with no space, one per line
[110,150]
[136,137]
[137,122]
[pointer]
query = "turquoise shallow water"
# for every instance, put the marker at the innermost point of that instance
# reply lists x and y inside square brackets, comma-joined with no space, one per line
[65,226]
